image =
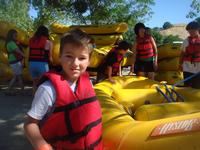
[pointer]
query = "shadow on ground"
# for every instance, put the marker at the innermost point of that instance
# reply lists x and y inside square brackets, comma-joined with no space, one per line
[12,113]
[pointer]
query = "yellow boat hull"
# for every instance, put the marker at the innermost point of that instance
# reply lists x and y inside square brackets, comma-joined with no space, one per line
[169,50]
[91,29]
[122,131]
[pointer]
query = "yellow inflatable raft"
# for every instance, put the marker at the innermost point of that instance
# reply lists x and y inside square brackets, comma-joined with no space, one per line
[169,50]
[136,116]
[92,29]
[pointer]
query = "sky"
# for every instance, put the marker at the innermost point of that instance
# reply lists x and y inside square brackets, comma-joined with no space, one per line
[173,11]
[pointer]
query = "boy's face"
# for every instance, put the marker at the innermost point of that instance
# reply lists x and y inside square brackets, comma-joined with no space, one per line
[193,32]
[122,52]
[74,61]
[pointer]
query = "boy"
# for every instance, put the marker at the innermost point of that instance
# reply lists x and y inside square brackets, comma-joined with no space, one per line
[112,64]
[65,112]
[190,58]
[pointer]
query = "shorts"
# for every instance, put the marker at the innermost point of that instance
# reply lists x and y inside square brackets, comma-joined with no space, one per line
[144,66]
[17,68]
[37,69]
[193,82]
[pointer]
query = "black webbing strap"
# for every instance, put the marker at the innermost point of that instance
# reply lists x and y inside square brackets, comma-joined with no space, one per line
[75,104]
[75,136]
[93,145]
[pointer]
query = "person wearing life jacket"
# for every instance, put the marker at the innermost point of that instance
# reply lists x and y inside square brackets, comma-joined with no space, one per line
[144,53]
[40,49]
[190,57]
[65,112]
[111,66]
[15,56]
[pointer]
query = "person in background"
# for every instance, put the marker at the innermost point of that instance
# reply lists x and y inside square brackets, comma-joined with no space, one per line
[40,54]
[190,57]
[145,53]
[111,66]
[65,113]
[15,56]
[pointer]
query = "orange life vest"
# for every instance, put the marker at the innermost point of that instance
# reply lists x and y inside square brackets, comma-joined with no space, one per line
[37,49]
[192,52]
[75,122]
[144,47]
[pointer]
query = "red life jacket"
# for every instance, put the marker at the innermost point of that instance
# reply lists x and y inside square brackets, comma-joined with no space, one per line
[37,49]
[192,52]
[75,123]
[115,66]
[144,47]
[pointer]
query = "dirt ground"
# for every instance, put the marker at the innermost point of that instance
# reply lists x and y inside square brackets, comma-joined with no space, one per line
[12,113]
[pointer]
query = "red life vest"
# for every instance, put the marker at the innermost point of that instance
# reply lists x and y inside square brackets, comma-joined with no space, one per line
[115,66]
[37,49]
[75,122]
[144,47]
[192,52]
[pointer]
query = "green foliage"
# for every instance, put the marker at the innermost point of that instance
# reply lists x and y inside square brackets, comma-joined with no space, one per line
[157,37]
[167,25]
[98,12]
[170,39]
[195,9]
[16,12]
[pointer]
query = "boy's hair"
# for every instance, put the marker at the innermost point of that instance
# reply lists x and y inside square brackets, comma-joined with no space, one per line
[76,37]
[193,26]
[123,45]
[138,26]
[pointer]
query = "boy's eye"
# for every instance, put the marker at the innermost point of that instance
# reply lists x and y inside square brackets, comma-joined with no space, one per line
[68,56]
[82,58]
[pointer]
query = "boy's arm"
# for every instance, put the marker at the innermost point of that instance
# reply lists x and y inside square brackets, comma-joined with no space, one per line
[32,132]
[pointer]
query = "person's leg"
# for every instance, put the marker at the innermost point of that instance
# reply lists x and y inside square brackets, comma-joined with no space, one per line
[21,83]
[139,73]
[19,69]
[151,75]
[140,68]
[195,83]
[149,69]
[186,75]
[11,83]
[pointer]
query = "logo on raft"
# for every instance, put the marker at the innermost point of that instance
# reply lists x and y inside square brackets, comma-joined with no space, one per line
[176,127]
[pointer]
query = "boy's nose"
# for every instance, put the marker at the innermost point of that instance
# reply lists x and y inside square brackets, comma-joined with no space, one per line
[75,62]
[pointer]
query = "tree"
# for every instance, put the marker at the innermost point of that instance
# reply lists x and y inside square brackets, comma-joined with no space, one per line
[16,12]
[167,25]
[171,38]
[157,36]
[195,9]
[96,12]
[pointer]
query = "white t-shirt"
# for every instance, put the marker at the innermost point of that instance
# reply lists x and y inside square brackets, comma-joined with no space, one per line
[193,67]
[44,99]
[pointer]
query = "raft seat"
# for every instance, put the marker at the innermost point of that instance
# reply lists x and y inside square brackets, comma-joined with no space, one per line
[165,110]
